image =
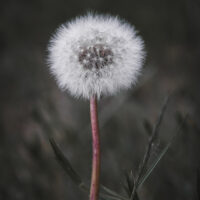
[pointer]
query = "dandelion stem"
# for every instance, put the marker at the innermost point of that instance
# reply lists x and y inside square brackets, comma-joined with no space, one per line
[94,188]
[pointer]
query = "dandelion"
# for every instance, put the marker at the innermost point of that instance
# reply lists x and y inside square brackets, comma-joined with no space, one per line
[92,56]
[95,55]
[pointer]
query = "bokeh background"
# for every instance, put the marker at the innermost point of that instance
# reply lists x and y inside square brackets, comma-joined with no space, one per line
[32,108]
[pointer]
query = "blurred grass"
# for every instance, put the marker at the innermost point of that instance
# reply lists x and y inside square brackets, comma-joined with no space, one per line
[34,109]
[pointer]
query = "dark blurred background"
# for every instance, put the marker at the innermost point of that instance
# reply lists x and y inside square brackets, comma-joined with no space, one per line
[32,108]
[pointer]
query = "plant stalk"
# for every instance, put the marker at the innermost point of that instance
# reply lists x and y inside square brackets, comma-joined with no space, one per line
[94,188]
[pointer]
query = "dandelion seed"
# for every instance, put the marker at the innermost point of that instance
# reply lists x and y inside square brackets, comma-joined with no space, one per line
[95,55]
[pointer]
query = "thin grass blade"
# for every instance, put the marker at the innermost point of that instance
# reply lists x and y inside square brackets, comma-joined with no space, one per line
[63,161]
[163,152]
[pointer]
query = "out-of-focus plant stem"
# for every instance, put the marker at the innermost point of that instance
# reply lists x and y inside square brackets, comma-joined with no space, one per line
[94,188]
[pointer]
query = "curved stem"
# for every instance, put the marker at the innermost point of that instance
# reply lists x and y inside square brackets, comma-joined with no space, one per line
[94,188]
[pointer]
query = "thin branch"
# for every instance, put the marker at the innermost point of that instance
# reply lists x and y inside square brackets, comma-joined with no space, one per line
[65,163]
[163,152]
[149,148]
[94,187]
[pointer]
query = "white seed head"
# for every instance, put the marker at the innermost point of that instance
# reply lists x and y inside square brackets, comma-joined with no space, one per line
[95,55]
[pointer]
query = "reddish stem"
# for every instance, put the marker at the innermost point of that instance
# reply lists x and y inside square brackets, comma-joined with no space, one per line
[94,188]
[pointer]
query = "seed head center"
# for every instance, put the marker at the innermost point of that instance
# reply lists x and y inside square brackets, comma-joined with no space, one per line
[96,56]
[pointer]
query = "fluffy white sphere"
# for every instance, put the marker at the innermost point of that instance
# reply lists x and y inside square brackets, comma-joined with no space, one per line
[95,55]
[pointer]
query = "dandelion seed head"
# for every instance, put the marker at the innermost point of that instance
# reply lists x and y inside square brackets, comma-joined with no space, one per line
[95,55]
